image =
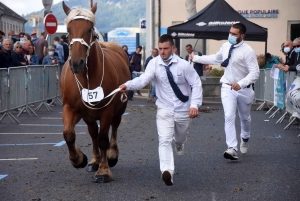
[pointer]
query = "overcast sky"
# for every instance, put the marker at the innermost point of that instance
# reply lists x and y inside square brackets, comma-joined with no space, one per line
[25,6]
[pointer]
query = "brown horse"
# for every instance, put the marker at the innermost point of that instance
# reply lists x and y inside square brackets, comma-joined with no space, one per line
[89,66]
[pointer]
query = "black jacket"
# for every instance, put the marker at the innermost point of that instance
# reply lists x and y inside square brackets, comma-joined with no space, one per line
[17,58]
[295,63]
[5,59]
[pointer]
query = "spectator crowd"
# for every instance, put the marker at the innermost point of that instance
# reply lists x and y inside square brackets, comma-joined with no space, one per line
[21,49]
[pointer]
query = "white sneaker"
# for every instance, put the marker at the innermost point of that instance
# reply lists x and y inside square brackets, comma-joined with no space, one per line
[231,154]
[179,149]
[244,146]
[167,177]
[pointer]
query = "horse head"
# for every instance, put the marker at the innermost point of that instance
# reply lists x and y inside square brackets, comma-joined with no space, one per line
[80,26]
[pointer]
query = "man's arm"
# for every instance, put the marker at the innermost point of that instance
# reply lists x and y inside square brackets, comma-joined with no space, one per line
[141,81]
[196,97]
[208,59]
[252,65]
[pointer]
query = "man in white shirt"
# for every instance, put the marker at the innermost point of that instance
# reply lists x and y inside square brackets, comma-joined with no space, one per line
[176,104]
[241,71]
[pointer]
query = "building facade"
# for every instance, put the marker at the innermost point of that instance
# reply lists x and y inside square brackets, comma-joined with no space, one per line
[9,20]
[281,18]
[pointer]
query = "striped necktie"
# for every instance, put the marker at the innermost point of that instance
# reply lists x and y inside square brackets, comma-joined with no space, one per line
[226,62]
[174,86]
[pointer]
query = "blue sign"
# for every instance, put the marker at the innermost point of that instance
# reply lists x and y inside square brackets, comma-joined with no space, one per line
[143,24]
[123,36]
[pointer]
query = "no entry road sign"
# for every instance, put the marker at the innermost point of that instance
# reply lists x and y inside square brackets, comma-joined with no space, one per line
[50,23]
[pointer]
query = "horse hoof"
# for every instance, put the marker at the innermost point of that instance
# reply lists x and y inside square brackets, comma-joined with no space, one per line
[84,162]
[101,179]
[112,162]
[92,167]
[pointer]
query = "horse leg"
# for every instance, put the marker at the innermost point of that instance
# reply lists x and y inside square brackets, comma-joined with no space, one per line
[94,163]
[70,119]
[113,151]
[103,175]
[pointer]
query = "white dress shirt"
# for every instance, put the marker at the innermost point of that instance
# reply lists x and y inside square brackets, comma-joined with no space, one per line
[242,68]
[185,77]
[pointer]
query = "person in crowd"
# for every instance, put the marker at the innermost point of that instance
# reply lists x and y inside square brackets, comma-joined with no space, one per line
[34,38]
[197,66]
[21,34]
[288,51]
[32,58]
[271,60]
[10,35]
[50,59]
[64,44]
[2,34]
[291,66]
[130,93]
[176,52]
[5,54]
[59,48]
[27,42]
[154,53]
[241,70]
[17,56]
[41,46]
[135,63]
[55,53]
[179,93]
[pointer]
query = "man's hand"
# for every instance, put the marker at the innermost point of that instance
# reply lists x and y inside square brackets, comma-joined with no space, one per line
[192,56]
[235,86]
[193,112]
[123,88]
[285,68]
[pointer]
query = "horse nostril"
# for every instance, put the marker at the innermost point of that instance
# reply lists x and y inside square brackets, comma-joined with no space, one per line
[81,62]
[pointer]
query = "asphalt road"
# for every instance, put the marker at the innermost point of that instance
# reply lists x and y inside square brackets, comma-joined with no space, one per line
[34,161]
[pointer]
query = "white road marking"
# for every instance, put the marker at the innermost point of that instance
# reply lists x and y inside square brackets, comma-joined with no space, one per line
[80,133]
[17,159]
[2,176]
[213,195]
[48,125]
[51,117]
[30,144]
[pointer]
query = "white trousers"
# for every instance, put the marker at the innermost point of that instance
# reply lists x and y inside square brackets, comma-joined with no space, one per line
[170,127]
[240,100]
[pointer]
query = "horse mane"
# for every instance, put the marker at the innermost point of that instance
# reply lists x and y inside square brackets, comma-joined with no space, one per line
[80,12]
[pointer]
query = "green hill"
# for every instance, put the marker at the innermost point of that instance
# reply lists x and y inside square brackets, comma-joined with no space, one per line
[110,13]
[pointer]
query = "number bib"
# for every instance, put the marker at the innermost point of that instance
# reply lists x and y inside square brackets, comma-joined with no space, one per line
[94,95]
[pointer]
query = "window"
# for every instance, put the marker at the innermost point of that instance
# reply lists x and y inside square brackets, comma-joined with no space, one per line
[295,31]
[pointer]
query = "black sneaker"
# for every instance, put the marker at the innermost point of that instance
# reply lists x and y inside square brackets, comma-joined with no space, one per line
[167,177]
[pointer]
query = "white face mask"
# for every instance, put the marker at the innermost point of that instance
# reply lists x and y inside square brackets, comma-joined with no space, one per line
[287,49]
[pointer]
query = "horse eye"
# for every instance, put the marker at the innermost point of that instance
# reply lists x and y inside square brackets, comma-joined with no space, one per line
[90,30]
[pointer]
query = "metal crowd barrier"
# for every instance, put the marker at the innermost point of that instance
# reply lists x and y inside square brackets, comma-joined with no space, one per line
[22,86]
[259,89]
[264,89]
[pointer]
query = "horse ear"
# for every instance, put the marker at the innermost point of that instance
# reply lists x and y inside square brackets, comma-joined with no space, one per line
[66,8]
[94,8]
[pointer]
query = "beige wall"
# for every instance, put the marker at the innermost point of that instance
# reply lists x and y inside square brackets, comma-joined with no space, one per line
[278,28]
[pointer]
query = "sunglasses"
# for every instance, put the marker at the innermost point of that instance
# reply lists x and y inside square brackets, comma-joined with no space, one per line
[297,46]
